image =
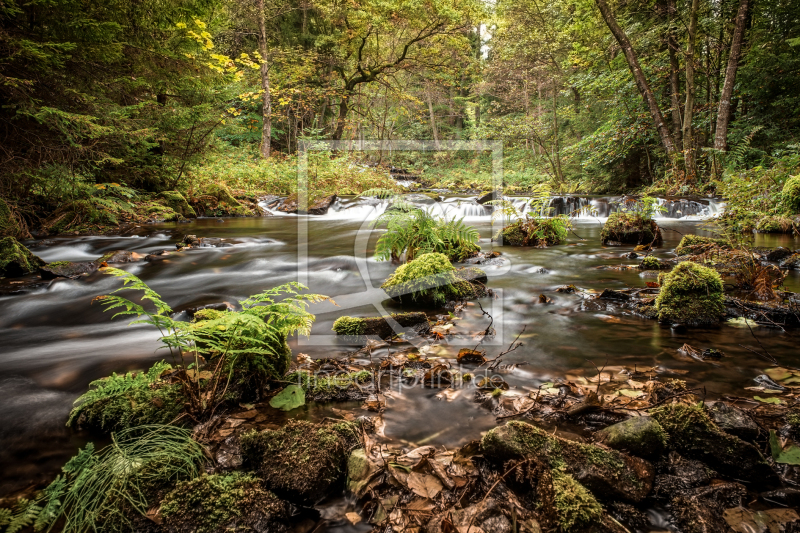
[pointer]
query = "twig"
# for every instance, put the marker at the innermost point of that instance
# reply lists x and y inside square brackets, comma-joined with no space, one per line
[599,374]
[511,347]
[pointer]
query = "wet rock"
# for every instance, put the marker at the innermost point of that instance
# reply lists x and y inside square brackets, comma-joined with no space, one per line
[630,228]
[488,197]
[743,520]
[792,262]
[216,200]
[789,497]
[693,434]
[650,263]
[271,201]
[630,255]
[610,294]
[608,473]
[733,420]
[15,259]
[121,256]
[321,206]
[360,469]
[67,269]
[691,295]
[629,515]
[356,326]
[189,240]
[301,461]
[419,198]
[640,435]
[701,510]
[177,202]
[777,254]
[223,502]
[677,475]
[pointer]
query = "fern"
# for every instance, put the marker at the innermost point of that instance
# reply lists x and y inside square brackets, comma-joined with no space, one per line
[736,155]
[417,232]
[23,516]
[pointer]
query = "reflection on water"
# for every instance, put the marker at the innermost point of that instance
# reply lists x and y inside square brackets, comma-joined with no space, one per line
[55,341]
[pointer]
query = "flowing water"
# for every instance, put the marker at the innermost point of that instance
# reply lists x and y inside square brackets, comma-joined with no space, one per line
[55,342]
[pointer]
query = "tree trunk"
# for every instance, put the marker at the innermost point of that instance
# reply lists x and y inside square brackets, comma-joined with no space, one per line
[433,120]
[688,110]
[674,77]
[724,111]
[343,109]
[640,79]
[266,113]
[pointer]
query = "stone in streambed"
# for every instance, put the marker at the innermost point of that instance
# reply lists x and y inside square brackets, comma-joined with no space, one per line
[67,269]
[792,262]
[121,256]
[642,436]
[733,420]
[691,295]
[701,510]
[321,206]
[378,326]
[630,228]
[777,254]
[15,259]
[609,473]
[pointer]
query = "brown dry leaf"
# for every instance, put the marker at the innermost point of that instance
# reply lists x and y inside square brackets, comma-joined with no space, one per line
[424,485]
[194,375]
[438,470]
[154,514]
[353,518]
[347,415]
[603,377]
[234,422]
[245,414]
[421,504]
[652,284]
[466,355]
[375,402]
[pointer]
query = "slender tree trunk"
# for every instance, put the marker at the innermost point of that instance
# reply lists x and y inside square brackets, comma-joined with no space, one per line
[724,111]
[688,110]
[266,128]
[433,119]
[340,122]
[674,77]
[640,79]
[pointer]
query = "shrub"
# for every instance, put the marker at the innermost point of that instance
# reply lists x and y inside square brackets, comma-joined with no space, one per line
[429,279]
[691,294]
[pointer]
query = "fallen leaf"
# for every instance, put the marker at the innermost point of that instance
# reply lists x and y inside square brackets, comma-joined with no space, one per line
[787,453]
[767,400]
[425,485]
[194,375]
[354,518]
[289,398]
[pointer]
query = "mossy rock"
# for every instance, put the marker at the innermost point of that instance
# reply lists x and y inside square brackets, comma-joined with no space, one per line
[630,228]
[431,280]
[540,232]
[576,508]
[792,262]
[691,295]
[216,200]
[301,461]
[650,263]
[68,269]
[696,244]
[775,224]
[15,259]
[791,194]
[338,387]
[176,201]
[221,503]
[693,434]
[642,436]
[605,472]
[377,326]
[161,213]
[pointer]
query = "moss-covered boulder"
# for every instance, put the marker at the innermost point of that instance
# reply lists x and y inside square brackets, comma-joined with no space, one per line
[791,194]
[176,201]
[540,232]
[68,269]
[696,244]
[216,200]
[336,387]
[15,259]
[650,263]
[301,461]
[693,434]
[607,473]
[691,295]
[775,224]
[630,228]
[378,326]
[132,399]
[431,280]
[221,503]
[642,436]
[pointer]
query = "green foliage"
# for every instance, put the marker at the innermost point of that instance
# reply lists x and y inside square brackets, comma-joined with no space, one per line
[417,232]
[11,225]
[534,228]
[775,224]
[175,201]
[791,194]
[691,294]
[320,387]
[212,503]
[429,279]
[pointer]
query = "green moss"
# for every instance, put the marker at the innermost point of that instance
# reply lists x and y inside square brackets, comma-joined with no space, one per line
[207,314]
[539,232]
[15,259]
[175,201]
[216,200]
[301,460]
[429,279]
[56,264]
[222,502]
[650,263]
[695,244]
[349,325]
[774,224]
[630,228]
[691,294]
[132,399]
[791,194]
[576,507]
[328,387]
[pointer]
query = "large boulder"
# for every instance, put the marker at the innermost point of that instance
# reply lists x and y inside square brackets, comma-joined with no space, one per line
[691,295]
[733,420]
[777,254]
[630,228]
[607,473]
[693,434]
[216,200]
[539,232]
[15,259]
[68,269]
[639,435]
[301,461]
[321,206]
[431,280]
[774,224]
[175,201]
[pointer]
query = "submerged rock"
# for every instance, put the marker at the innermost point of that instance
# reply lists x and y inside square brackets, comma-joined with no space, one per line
[68,269]
[630,228]
[639,435]
[608,473]
[15,259]
[301,461]
[378,326]
[691,295]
